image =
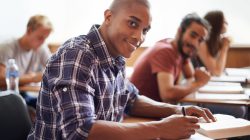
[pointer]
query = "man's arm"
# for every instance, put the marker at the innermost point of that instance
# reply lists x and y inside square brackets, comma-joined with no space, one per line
[23,80]
[146,107]
[2,77]
[215,65]
[30,78]
[169,91]
[167,128]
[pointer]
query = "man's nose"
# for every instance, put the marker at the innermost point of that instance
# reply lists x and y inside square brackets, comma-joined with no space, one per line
[139,36]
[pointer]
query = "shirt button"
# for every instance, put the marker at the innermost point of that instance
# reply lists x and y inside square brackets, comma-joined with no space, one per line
[65,89]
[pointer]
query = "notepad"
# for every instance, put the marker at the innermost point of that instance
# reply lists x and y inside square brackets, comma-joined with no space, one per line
[237,72]
[233,75]
[227,78]
[226,126]
[221,96]
[221,87]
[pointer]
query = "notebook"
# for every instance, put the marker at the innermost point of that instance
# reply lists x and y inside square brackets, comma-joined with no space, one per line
[226,126]
[227,78]
[198,136]
[237,72]
[221,87]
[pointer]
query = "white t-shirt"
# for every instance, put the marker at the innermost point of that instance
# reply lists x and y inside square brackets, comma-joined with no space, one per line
[27,61]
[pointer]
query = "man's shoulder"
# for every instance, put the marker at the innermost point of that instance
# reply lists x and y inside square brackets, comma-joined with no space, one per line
[75,47]
[80,43]
[8,44]
[8,48]
[163,47]
[164,44]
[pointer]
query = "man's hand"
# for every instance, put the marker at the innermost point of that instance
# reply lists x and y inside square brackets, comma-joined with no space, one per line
[35,77]
[225,41]
[177,127]
[200,112]
[201,76]
[30,78]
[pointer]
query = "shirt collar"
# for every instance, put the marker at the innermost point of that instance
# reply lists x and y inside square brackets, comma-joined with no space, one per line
[100,48]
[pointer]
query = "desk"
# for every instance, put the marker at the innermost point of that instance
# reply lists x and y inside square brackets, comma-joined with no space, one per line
[192,99]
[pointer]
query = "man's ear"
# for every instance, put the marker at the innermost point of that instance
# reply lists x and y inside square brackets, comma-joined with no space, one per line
[179,30]
[29,30]
[107,16]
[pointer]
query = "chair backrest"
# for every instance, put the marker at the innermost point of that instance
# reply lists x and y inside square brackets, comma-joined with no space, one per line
[15,122]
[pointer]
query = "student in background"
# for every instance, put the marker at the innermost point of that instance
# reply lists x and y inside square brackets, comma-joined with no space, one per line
[84,93]
[213,53]
[158,69]
[29,54]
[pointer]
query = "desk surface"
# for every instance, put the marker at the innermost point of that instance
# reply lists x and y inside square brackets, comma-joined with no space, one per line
[216,101]
[193,99]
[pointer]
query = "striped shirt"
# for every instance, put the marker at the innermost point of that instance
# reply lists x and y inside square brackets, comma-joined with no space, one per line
[82,83]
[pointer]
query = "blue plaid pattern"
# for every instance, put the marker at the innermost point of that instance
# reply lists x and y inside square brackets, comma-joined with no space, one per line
[82,83]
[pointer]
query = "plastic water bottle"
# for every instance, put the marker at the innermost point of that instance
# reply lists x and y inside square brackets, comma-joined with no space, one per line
[12,76]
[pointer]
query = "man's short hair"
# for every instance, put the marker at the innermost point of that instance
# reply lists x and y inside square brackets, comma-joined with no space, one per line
[193,17]
[117,4]
[38,21]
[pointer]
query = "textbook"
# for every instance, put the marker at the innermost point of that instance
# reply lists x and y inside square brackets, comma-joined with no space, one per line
[198,136]
[226,126]
[221,87]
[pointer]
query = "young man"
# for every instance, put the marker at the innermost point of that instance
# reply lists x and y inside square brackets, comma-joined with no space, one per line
[28,52]
[84,92]
[157,71]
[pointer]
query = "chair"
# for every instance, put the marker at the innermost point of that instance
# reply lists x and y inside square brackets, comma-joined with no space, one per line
[15,122]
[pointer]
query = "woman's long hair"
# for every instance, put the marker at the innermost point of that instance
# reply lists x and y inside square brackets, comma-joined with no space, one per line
[216,20]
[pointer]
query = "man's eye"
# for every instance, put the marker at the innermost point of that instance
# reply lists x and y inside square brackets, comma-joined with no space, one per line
[193,35]
[133,24]
[145,31]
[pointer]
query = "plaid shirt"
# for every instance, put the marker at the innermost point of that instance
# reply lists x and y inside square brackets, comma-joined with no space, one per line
[82,83]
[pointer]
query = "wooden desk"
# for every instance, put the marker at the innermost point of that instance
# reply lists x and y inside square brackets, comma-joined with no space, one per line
[193,99]
[30,88]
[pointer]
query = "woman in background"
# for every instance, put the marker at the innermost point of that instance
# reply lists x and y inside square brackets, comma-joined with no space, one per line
[213,53]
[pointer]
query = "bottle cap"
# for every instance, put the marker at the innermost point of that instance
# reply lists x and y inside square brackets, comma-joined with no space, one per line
[11,61]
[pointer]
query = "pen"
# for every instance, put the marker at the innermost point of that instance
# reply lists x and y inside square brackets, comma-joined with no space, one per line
[183,111]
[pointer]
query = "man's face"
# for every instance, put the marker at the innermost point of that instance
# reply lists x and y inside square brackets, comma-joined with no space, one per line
[190,39]
[126,29]
[37,37]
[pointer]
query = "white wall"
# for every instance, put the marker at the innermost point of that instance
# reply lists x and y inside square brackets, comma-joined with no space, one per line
[74,17]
